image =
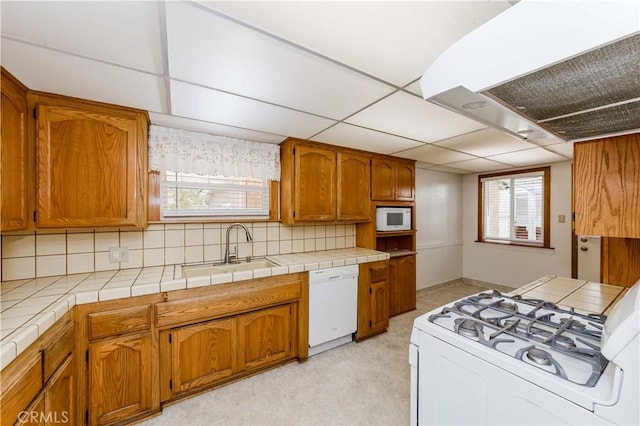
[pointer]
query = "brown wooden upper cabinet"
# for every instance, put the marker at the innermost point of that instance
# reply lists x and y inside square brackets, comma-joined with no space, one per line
[606,182]
[14,166]
[322,184]
[392,180]
[92,164]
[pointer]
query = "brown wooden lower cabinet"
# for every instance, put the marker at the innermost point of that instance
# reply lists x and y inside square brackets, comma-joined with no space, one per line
[120,382]
[38,386]
[402,284]
[264,337]
[373,299]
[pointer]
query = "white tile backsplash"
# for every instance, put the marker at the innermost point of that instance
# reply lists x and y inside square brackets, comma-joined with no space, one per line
[58,252]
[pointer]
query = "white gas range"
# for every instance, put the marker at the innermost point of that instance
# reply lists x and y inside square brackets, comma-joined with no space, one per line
[492,358]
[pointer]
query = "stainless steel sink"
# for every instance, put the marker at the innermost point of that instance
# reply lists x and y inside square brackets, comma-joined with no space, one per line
[211,268]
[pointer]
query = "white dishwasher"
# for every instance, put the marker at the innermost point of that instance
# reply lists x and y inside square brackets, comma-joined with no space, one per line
[333,307]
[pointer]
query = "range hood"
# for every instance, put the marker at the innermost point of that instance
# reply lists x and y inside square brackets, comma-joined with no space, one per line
[547,69]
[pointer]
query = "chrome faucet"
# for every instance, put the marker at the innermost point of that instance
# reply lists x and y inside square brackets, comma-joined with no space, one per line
[228,256]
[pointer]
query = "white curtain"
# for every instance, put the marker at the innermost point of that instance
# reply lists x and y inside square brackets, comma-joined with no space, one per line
[205,154]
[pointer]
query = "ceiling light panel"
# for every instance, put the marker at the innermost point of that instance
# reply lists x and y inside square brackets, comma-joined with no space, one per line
[393,41]
[360,138]
[485,142]
[212,51]
[408,116]
[434,154]
[205,104]
[50,71]
[528,157]
[212,128]
[120,32]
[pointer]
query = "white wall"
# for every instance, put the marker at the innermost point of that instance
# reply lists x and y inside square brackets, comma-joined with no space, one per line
[439,224]
[516,266]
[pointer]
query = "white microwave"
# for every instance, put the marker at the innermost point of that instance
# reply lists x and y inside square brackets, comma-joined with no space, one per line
[393,218]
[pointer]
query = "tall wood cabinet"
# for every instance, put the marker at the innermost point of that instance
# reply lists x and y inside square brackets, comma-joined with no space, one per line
[606,187]
[13,156]
[92,163]
[322,183]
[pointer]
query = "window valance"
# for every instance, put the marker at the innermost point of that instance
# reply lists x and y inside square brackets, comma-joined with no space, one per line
[202,153]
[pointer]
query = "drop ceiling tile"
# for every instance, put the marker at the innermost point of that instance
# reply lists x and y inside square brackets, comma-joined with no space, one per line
[212,128]
[415,88]
[423,165]
[409,116]
[447,169]
[394,41]
[205,104]
[479,165]
[215,52]
[123,33]
[528,157]
[485,142]
[434,154]
[563,148]
[54,72]
[360,138]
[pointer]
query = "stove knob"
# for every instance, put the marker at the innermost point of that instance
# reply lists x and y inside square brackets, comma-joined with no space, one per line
[584,248]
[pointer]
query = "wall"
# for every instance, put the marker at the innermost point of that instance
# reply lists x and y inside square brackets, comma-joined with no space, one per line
[439,224]
[515,266]
[60,252]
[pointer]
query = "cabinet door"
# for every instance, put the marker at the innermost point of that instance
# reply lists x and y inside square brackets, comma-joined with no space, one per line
[202,354]
[605,186]
[402,284]
[354,187]
[382,179]
[405,181]
[315,184]
[120,381]
[59,395]
[264,337]
[13,157]
[379,306]
[35,414]
[90,168]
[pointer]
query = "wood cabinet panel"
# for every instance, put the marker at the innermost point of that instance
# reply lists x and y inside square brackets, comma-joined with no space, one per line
[119,321]
[61,347]
[315,184]
[202,354]
[402,284]
[13,154]
[392,180]
[354,187]
[382,179]
[238,297]
[264,337]
[20,385]
[373,298]
[607,187]
[91,165]
[120,381]
[620,261]
[59,395]
[405,181]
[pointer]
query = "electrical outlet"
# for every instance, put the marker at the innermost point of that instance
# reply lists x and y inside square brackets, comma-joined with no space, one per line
[562,218]
[118,254]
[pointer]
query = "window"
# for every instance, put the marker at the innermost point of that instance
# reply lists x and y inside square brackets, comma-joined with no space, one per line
[190,194]
[513,207]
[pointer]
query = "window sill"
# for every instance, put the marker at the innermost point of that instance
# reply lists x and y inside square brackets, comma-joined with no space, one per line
[511,244]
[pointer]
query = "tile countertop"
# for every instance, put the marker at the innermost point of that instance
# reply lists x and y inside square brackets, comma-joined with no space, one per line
[31,306]
[579,294]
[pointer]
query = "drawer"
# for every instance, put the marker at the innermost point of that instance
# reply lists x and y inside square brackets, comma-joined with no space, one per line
[19,386]
[61,345]
[379,273]
[119,321]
